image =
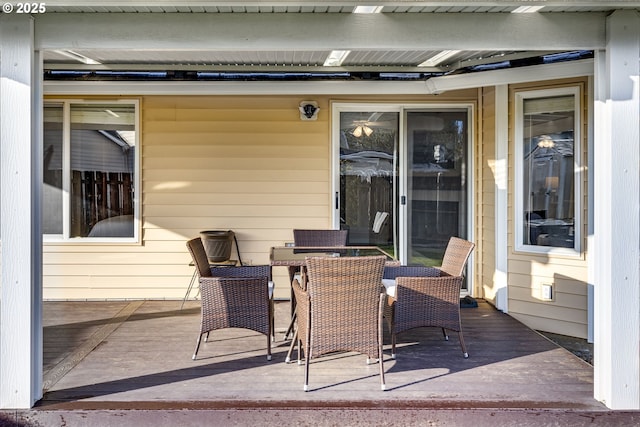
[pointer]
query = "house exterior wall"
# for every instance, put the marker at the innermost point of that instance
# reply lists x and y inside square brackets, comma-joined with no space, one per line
[248,163]
[567,313]
[245,163]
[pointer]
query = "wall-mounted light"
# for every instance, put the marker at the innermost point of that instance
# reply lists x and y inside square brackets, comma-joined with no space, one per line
[309,110]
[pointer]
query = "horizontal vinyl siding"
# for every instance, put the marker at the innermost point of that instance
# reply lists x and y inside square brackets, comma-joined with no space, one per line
[567,313]
[243,163]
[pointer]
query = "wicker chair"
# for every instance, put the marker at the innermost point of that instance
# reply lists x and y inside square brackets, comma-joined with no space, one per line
[421,301]
[456,256]
[320,238]
[341,309]
[233,297]
[312,238]
[389,281]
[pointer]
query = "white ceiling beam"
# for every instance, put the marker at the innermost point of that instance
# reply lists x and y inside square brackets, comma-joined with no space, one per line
[274,31]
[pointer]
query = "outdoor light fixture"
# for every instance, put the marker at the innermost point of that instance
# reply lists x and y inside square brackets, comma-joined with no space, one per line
[309,110]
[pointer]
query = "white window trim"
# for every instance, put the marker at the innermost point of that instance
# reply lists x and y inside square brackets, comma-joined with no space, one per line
[66,184]
[518,222]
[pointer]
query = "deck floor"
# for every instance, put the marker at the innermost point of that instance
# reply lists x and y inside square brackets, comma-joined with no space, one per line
[136,354]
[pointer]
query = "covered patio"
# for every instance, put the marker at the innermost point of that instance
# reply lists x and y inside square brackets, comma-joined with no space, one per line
[137,354]
[200,136]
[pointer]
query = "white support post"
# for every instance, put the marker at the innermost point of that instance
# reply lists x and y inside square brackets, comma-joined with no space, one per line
[616,240]
[501,174]
[20,230]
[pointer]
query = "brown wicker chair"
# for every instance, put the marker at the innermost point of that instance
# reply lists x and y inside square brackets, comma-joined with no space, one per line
[389,281]
[456,256]
[429,301]
[312,238]
[233,297]
[320,238]
[341,309]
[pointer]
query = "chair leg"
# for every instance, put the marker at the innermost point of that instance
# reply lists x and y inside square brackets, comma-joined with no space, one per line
[464,348]
[293,343]
[380,337]
[393,345]
[197,347]
[269,337]
[306,373]
[186,296]
[446,336]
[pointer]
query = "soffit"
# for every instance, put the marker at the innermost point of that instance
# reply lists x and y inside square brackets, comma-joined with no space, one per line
[298,60]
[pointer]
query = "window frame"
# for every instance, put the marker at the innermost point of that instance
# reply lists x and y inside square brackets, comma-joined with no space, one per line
[66,104]
[519,197]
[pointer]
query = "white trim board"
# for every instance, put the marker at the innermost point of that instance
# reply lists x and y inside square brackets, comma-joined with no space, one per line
[432,86]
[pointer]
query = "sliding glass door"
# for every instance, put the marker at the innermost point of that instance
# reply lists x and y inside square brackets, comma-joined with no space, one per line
[368,172]
[437,193]
[402,177]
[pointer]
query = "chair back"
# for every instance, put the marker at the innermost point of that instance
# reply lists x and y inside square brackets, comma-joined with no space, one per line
[391,272]
[199,255]
[344,297]
[320,238]
[456,256]
[242,271]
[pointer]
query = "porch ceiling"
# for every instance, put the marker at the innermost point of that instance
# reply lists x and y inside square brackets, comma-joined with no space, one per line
[289,56]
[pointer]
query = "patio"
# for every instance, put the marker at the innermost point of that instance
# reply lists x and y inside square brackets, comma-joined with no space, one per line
[129,363]
[138,353]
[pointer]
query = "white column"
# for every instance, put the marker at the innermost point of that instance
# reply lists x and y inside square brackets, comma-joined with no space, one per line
[616,241]
[20,231]
[501,201]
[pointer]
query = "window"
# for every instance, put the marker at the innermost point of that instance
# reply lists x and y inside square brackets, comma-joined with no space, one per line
[90,170]
[547,171]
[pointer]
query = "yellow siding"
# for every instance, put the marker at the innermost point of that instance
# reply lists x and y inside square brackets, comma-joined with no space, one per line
[567,312]
[246,163]
[250,164]
[243,163]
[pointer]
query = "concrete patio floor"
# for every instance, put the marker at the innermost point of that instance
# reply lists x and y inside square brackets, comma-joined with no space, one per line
[129,363]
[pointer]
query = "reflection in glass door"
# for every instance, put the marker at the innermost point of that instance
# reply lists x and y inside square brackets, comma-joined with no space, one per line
[402,178]
[436,196]
[368,177]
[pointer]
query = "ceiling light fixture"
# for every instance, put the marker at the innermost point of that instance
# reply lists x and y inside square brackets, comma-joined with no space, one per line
[78,57]
[438,58]
[527,9]
[357,132]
